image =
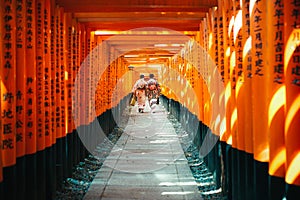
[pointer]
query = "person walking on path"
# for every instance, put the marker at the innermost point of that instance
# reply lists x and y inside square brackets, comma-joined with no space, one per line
[139,90]
[153,91]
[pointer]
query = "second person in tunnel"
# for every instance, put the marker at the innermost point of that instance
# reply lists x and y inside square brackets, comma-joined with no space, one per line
[153,91]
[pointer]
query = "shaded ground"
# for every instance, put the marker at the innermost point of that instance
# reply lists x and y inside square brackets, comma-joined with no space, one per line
[75,187]
[202,175]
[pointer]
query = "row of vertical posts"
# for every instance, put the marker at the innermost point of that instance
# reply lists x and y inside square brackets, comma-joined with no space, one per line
[255,47]
[41,52]
[34,114]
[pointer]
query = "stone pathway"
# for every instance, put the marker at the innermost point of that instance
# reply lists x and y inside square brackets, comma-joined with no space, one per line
[147,162]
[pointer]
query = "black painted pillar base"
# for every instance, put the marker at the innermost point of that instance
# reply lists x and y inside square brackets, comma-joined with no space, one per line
[50,176]
[242,174]
[74,148]
[41,175]
[31,177]
[218,164]
[64,158]
[293,192]
[83,151]
[276,188]
[77,144]
[234,174]
[260,180]
[1,190]
[59,164]
[21,171]
[226,154]
[10,184]
[249,177]
[70,152]
[228,168]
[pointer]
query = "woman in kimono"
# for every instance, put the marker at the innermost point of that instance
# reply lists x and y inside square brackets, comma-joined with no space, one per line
[153,91]
[139,90]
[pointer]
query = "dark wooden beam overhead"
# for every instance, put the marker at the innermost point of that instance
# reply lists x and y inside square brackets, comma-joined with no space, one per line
[123,16]
[119,15]
[183,16]
[137,5]
[121,26]
[96,8]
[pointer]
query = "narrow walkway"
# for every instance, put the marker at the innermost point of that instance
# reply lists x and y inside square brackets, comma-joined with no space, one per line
[147,162]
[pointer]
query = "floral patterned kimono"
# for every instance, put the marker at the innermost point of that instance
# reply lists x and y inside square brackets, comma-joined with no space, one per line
[139,90]
[153,92]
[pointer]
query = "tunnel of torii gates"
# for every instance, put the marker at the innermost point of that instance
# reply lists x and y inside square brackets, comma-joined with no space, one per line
[235,85]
